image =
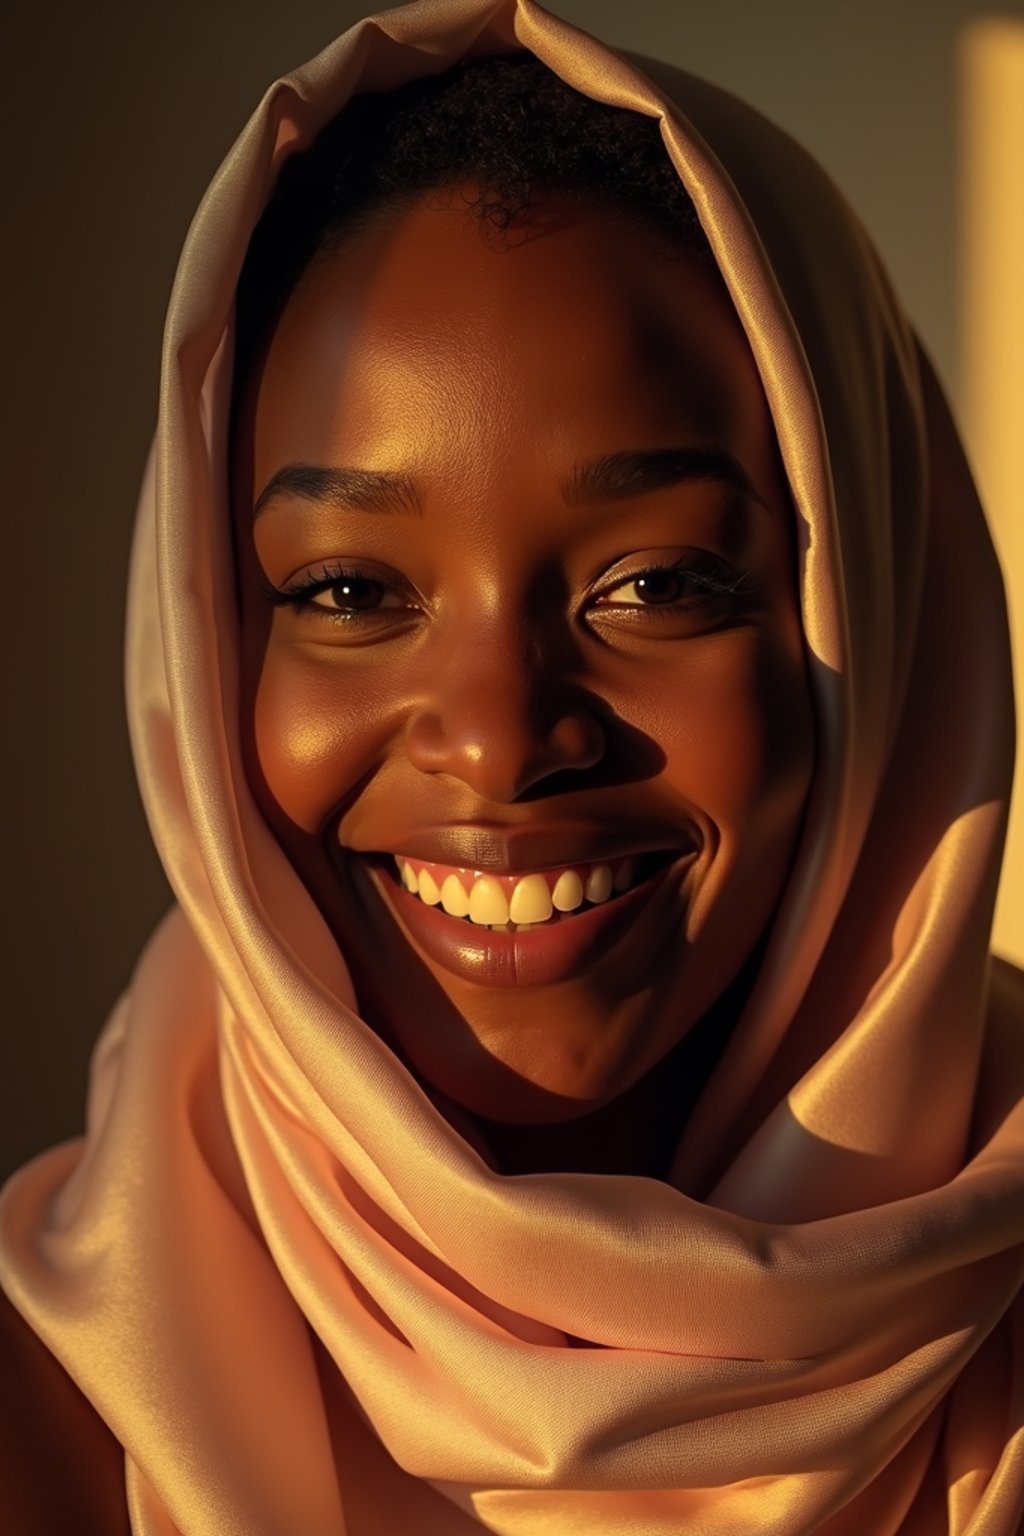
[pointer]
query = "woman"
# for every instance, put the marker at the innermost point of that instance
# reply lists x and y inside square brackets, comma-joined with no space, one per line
[574,1092]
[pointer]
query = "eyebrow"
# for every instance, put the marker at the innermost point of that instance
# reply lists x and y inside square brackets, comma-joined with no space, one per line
[615,477]
[365,490]
[620,475]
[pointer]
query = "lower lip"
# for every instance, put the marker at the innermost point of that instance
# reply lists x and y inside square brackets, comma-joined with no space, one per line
[531,957]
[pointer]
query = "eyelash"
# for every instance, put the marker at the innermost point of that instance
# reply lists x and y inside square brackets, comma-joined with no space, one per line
[703,571]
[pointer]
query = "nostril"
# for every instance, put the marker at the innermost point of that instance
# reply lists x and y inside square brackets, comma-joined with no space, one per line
[578,740]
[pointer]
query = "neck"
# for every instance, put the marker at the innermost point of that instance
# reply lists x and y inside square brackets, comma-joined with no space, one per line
[635,1133]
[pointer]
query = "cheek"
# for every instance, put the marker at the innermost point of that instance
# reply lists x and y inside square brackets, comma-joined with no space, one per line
[739,743]
[315,736]
[741,754]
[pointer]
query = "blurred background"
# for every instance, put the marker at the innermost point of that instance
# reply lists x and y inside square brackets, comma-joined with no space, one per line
[115,114]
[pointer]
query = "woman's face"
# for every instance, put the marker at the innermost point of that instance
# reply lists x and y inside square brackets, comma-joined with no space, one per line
[536,616]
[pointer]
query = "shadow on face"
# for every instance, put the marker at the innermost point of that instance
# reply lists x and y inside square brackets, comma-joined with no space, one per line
[519,598]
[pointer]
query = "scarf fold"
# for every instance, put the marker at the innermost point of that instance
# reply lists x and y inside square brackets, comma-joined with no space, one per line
[299,1297]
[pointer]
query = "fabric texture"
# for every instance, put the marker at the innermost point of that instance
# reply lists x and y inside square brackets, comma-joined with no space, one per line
[301,1300]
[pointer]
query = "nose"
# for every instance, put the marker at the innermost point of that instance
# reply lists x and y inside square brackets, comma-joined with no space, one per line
[502,724]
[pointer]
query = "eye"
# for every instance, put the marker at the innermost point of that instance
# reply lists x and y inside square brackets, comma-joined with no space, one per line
[354,593]
[690,582]
[342,594]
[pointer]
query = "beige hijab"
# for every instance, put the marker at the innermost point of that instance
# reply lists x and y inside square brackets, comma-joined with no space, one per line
[301,1300]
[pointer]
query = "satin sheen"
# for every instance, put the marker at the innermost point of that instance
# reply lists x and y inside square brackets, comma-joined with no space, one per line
[300,1299]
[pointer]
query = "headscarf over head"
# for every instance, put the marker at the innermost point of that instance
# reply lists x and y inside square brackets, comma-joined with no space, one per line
[302,1301]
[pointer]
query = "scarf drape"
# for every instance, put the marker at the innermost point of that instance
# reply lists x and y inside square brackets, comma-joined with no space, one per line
[301,1300]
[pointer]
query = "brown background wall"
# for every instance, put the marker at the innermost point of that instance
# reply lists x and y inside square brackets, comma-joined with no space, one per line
[115,115]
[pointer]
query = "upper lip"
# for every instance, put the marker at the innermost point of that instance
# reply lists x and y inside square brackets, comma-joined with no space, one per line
[520,850]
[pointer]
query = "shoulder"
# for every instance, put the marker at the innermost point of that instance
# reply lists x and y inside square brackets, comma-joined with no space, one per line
[60,1467]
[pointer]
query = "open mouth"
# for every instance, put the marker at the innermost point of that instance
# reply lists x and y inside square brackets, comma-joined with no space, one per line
[531,928]
[523,902]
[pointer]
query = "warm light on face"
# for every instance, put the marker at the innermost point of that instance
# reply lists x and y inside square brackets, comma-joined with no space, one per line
[554,622]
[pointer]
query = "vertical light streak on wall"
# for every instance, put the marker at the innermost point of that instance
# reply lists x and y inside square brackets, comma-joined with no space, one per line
[992,354]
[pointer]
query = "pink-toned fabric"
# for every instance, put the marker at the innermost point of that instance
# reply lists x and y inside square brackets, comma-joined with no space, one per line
[299,1297]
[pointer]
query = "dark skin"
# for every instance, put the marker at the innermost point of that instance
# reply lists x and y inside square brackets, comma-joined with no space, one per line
[504,674]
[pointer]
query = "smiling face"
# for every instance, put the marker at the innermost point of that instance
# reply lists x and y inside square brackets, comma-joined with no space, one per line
[534,613]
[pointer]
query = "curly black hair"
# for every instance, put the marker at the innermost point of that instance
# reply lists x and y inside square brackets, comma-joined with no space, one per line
[507,125]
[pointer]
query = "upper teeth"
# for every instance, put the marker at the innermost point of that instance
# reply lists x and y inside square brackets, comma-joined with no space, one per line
[487,899]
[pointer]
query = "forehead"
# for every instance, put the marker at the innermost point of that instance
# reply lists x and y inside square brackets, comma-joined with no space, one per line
[421,339]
